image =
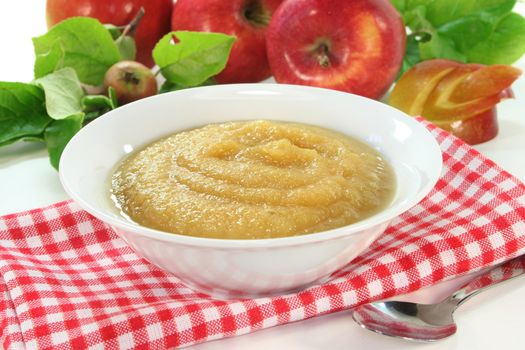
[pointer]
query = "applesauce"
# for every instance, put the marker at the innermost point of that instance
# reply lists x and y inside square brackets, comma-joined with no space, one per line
[252,180]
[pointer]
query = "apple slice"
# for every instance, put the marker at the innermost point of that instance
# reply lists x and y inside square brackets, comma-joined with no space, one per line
[413,88]
[440,105]
[507,93]
[460,98]
[474,130]
[485,81]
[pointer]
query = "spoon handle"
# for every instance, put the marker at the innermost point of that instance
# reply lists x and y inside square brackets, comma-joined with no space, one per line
[507,270]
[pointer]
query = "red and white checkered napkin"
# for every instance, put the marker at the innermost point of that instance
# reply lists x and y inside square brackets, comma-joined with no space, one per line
[68,282]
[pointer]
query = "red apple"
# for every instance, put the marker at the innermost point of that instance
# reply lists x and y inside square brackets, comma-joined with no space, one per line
[354,46]
[245,19]
[131,81]
[154,24]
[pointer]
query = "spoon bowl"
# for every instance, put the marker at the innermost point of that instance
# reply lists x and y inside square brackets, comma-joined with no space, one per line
[430,322]
[408,320]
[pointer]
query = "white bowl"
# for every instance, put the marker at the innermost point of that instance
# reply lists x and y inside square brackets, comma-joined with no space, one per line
[233,268]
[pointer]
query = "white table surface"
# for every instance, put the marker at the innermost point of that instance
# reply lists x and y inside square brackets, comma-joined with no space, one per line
[492,320]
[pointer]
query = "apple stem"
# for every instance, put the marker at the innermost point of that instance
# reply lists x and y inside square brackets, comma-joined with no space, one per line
[255,13]
[323,56]
[132,26]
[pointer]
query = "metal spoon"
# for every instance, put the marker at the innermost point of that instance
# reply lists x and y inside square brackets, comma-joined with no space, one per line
[430,322]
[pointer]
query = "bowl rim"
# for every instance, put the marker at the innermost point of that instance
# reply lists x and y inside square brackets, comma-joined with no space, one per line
[382,217]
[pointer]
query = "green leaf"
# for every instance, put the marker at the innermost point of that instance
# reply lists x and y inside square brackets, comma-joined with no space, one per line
[96,105]
[58,134]
[127,48]
[440,12]
[400,5]
[80,43]
[467,31]
[481,31]
[194,57]
[440,47]
[49,61]
[412,55]
[404,6]
[22,138]
[417,20]
[412,11]
[113,30]
[95,102]
[89,116]
[22,112]
[113,97]
[505,45]
[63,93]
[169,86]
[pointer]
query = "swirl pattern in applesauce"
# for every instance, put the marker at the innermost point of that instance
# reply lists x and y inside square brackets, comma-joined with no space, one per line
[250,180]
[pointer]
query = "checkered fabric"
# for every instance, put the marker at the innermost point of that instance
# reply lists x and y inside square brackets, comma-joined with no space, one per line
[68,282]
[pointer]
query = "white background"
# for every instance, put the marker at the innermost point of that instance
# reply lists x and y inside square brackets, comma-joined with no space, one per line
[494,319]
